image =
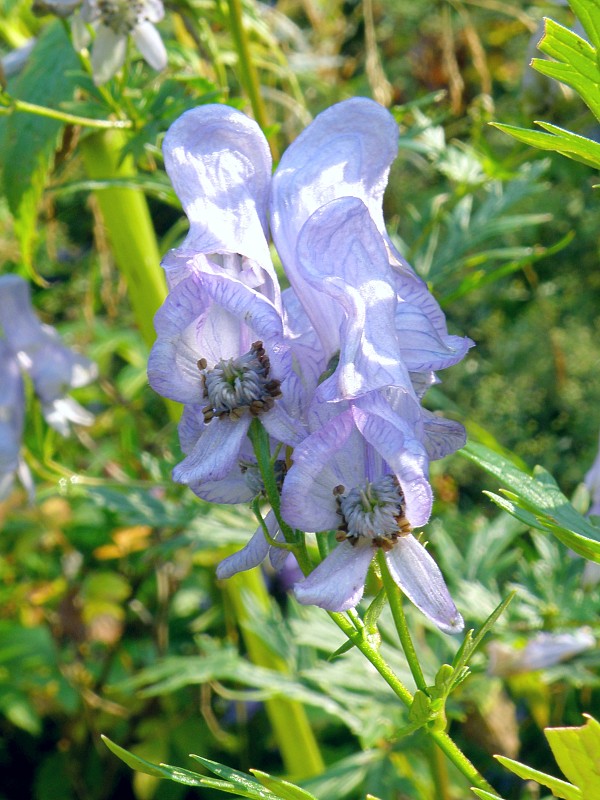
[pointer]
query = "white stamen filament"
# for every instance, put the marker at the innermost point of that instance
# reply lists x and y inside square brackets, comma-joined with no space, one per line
[373,510]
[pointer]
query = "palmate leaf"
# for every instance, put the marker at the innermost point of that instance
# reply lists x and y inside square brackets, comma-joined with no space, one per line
[31,141]
[231,781]
[559,140]
[537,500]
[576,752]
[574,63]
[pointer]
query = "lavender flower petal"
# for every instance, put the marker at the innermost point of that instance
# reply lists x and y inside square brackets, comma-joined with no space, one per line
[419,577]
[338,583]
[215,452]
[220,165]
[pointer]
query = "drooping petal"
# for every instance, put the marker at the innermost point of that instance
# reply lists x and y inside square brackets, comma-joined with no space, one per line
[395,442]
[422,345]
[220,165]
[108,54]
[338,583]
[253,554]
[150,45]
[61,412]
[215,453]
[421,326]
[345,152]
[419,577]
[350,298]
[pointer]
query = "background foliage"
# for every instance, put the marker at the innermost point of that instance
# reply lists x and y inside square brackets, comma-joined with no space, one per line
[111,620]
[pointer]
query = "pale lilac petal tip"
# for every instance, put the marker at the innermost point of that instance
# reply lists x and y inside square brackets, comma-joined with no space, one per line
[108,54]
[253,554]
[419,577]
[215,452]
[338,583]
[150,45]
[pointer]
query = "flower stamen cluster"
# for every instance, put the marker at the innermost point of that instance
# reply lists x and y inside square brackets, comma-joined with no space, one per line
[374,511]
[253,478]
[236,385]
[121,16]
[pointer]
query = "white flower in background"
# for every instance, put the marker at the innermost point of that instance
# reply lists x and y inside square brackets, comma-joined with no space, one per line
[114,21]
[540,652]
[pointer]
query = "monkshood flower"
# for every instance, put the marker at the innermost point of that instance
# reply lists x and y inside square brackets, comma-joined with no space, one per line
[363,300]
[540,652]
[364,474]
[12,414]
[114,22]
[53,368]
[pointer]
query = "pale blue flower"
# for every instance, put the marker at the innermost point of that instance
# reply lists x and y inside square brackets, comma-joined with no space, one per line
[53,368]
[12,414]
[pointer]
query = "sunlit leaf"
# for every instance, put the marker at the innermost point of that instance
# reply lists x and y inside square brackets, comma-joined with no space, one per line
[559,788]
[283,789]
[576,751]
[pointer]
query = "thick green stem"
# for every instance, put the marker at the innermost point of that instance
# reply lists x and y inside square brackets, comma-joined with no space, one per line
[361,642]
[129,226]
[293,734]
[246,66]
[441,738]
[394,597]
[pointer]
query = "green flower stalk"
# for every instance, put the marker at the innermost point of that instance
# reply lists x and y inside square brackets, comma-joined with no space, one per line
[129,226]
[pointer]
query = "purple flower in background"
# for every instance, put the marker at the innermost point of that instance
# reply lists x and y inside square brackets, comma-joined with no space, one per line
[541,651]
[53,368]
[115,21]
[12,414]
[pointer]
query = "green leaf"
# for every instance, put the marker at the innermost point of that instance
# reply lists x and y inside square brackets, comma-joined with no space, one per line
[559,788]
[31,140]
[245,788]
[588,13]
[577,751]
[246,785]
[540,496]
[283,789]
[420,710]
[485,795]
[470,643]
[567,144]
[575,64]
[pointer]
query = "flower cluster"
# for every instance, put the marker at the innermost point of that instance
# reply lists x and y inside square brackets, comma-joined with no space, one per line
[27,345]
[114,22]
[335,367]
